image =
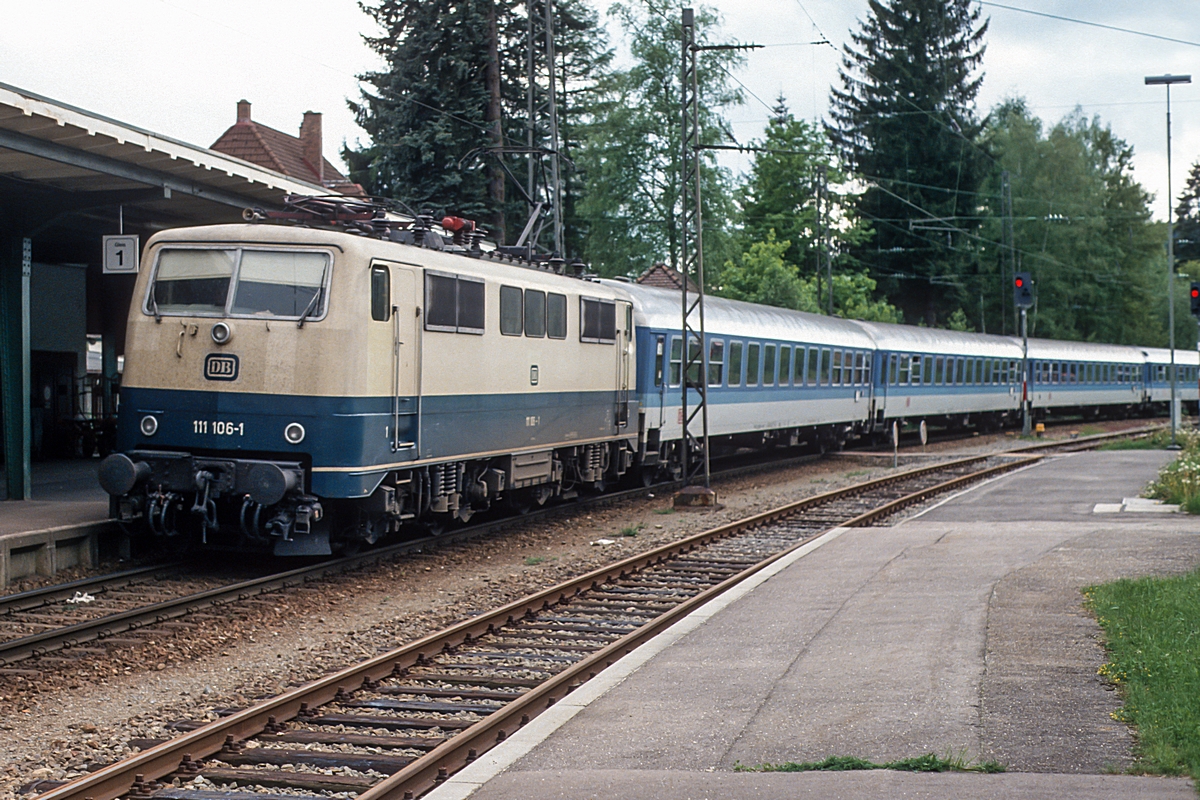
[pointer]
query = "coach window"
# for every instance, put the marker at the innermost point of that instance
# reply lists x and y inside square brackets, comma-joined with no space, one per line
[961,378]
[716,362]
[752,354]
[735,363]
[769,357]
[902,376]
[676,360]
[824,363]
[535,313]
[891,370]
[659,347]
[939,371]
[381,294]
[867,368]
[556,316]
[859,378]
[511,311]
[694,361]
[813,370]
[785,364]
[927,373]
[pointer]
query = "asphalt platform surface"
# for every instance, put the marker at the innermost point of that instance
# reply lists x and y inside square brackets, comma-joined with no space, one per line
[63,493]
[958,632]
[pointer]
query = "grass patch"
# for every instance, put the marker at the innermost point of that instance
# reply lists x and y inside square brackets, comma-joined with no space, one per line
[533,561]
[858,473]
[1152,631]
[667,510]
[632,530]
[926,763]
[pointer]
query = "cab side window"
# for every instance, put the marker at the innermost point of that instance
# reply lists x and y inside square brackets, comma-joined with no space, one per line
[381,294]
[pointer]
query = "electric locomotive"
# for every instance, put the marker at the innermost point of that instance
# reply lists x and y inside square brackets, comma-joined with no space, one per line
[302,389]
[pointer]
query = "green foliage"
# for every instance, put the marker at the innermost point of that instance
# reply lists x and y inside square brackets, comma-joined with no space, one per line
[632,530]
[1152,631]
[1081,226]
[904,120]
[630,150]
[958,321]
[761,275]
[954,762]
[1179,481]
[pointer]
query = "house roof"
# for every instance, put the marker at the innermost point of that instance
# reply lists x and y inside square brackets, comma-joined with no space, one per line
[664,277]
[267,147]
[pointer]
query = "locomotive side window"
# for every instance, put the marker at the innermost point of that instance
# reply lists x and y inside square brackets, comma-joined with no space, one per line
[535,313]
[441,300]
[193,281]
[598,321]
[381,294]
[556,318]
[716,362]
[512,313]
[453,304]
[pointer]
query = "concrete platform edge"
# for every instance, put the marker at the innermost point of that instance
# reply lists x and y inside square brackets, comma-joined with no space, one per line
[492,763]
[46,551]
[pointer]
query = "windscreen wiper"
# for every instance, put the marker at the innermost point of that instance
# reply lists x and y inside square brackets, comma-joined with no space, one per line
[308,309]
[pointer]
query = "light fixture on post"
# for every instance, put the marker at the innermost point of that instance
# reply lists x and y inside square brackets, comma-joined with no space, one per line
[1168,81]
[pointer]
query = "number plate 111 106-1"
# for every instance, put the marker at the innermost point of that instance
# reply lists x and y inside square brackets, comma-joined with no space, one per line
[218,427]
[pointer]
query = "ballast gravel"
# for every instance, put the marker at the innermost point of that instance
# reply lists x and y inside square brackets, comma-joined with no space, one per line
[81,711]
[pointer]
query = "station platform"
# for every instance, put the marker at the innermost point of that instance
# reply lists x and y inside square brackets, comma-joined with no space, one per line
[64,492]
[61,527]
[959,632]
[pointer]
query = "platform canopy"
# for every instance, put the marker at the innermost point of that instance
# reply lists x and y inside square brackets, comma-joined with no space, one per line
[68,177]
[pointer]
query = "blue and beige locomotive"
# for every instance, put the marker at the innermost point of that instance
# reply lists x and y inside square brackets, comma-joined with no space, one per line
[307,388]
[297,388]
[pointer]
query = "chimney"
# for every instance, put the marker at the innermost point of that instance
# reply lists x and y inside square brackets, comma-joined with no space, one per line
[243,111]
[310,143]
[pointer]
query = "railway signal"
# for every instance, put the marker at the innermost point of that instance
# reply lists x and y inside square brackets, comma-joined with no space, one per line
[1022,290]
[1196,298]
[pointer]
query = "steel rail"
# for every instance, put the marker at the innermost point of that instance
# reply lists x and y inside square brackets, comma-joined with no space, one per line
[162,759]
[45,595]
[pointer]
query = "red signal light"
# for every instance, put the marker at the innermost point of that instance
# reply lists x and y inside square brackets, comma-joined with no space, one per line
[1195,293]
[1020,282]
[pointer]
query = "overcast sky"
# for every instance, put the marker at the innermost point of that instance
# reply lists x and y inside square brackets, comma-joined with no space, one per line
[178,67]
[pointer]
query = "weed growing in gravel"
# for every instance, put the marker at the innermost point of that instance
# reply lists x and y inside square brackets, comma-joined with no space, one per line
[533,561]
[1152,631]
[632,530]
[954,762]
[667,510]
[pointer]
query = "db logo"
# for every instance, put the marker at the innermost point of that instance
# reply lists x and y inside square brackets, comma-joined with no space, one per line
[221,367]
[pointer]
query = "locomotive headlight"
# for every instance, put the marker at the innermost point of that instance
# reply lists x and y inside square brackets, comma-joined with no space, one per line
[221,333]
[148,425]
[294,433]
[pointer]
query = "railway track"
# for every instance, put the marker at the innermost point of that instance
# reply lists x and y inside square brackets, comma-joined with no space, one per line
[90,616]
[399,723]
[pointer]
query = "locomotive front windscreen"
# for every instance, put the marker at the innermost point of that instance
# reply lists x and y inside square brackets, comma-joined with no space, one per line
[239,282]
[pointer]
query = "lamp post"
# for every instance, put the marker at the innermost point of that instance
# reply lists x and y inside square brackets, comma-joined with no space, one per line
[1168,80]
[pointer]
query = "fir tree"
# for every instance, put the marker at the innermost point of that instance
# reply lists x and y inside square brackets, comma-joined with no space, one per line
[448,117]
[905,120]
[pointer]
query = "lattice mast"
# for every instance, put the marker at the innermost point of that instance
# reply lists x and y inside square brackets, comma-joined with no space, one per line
[694,353]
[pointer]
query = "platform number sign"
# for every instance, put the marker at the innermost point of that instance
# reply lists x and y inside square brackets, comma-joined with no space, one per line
[120,254]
